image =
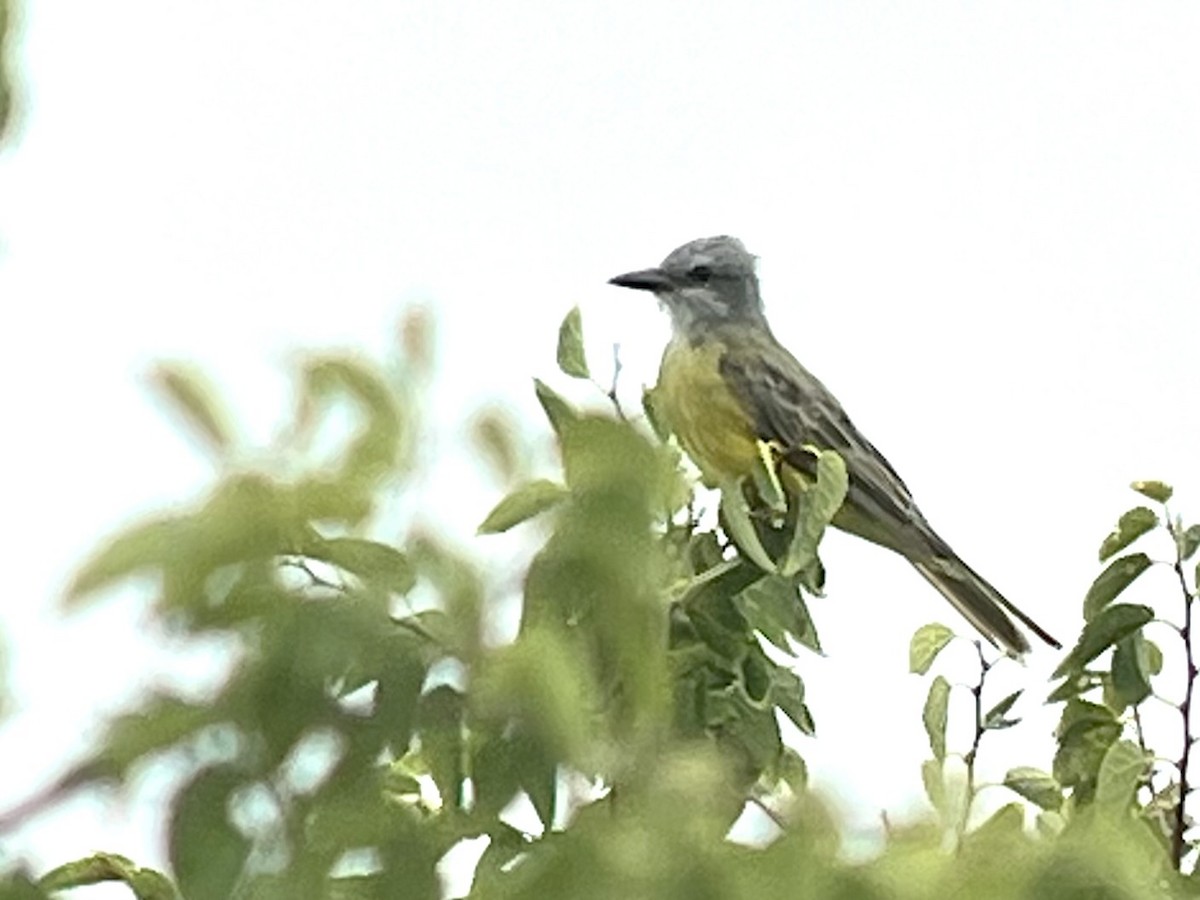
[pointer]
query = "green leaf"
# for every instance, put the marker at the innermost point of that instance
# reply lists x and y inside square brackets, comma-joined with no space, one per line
[373,562]
[1036,786]
[807,636]
[373,450]
[755,731]
[1155,490]
[495,435]
[7,13]
[558,410]
[1117,575]
[787,692]
[935,715]
[793,770]
[773,607]
[812,578]
[15,881]
[757,678]
[1121,774]
[542,684]
[1131,669]
[1130,527]
[819,504]
[571,357]
[352,812]
[1049,824]
[146,884]
[247,517]
[833,482]
[1102,632]
[190,394]
[735,518]
[1188,541]
[995,719]
[1077,683]
[440,715]
[495,774]
[528,500]
[321,496]
[1154,658]
[709,617]
[400,675]
[161,722]
[150,545]
[207,851]
[801,717]
[1085,732]
[539,778]
[927,642]
[1009,820]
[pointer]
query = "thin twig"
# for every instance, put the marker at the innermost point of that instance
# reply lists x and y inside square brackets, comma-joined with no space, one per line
[977,695]
[301,563]
[1178,844]
[1137,727]
[611,391]
[775,817]
[1140,732]
[980,728]
[50,796]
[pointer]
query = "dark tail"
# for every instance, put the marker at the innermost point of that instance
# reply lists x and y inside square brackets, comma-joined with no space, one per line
[980,603]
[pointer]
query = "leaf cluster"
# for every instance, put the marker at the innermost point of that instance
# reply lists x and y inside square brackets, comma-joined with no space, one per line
[368,724]
[1104,768]
[1113,669]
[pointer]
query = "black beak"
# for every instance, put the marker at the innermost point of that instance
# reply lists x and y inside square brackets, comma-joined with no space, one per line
[645,280]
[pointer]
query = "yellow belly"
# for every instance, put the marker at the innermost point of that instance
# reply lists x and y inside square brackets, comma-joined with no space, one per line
[705,417]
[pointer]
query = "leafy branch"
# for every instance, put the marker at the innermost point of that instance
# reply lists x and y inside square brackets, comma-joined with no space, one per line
[377,719]
[924,648]
[1113,669]
[1186,542]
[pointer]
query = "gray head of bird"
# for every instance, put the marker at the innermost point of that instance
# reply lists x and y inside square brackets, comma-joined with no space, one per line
[703,283]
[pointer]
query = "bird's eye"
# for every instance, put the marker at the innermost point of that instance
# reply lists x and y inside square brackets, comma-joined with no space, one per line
[700,274]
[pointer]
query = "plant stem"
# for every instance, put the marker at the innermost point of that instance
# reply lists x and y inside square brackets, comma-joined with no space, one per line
[1178,844]
[970,755]
[611,392]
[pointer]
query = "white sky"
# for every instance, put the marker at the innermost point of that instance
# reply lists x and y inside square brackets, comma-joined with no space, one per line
[979,224]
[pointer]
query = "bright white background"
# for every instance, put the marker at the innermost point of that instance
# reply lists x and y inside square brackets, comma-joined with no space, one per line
[978,223]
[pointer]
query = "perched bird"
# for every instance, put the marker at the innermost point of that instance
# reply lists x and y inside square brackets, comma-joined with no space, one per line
[727,385]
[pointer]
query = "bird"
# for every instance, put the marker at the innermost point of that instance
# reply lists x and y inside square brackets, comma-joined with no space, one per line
[727,387]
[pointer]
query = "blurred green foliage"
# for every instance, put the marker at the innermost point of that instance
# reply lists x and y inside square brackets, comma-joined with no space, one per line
[368,724]
[6,69]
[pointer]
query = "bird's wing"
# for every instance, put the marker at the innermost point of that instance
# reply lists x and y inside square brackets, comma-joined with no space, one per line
[792,408]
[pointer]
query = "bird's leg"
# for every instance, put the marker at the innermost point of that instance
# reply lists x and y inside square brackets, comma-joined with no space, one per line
[768,487]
